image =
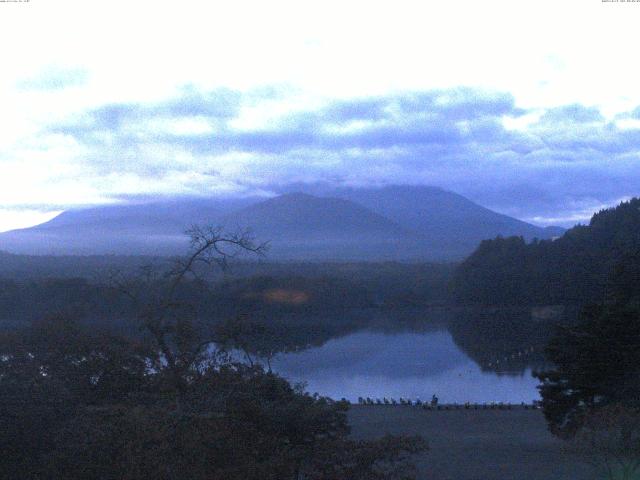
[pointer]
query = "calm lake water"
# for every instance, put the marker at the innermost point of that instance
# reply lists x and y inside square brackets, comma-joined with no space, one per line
[405,364]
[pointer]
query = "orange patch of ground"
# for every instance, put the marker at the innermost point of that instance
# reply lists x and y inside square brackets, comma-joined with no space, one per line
[281,295]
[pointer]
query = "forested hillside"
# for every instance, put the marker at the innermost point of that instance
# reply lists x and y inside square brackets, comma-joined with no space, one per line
[574,269]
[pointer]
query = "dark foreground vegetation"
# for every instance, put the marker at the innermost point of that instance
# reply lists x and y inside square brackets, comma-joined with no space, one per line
[591,395]
[78,403]
[81,405]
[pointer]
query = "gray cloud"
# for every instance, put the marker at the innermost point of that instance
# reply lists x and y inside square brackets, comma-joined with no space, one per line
[635,113]
[573,114]
[570,160]
[55,78]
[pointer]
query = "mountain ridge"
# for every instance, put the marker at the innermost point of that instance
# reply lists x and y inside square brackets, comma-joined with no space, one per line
[388,223]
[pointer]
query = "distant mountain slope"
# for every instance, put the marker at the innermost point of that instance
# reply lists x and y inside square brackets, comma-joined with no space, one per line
[576,268]
[391,223]
[309,218]
[449,221]
[299,226]
[434,211]
[165,217]
[154,228]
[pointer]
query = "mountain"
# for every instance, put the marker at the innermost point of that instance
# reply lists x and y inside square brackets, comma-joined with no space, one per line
[305,217]
[390,223]
[160,217]
[439,213]
[301,226]
[451,224]
[152,228]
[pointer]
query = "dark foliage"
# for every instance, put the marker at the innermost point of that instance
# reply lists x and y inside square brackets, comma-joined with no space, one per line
[80,405]
[610,440]
[595,359]
[597,364]
[502,340]
[47,373]
[77,403]
[573,269]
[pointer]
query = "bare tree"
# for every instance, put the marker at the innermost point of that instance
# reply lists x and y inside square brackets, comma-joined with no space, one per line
[171,322]
[255,340]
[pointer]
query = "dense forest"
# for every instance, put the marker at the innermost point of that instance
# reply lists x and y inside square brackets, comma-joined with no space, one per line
[575,269]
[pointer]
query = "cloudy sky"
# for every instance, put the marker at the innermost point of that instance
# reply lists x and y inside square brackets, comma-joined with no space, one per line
[531,108]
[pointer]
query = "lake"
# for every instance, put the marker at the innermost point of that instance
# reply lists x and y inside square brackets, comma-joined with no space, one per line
[409,364]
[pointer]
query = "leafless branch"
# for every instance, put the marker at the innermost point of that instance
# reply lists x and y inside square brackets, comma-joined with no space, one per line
[155,299]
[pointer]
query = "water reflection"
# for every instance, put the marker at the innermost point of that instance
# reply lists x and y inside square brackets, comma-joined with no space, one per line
[505,340]
[460,355]
[413,365]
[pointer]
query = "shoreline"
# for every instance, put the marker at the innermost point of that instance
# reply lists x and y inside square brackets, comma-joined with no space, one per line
[447,406]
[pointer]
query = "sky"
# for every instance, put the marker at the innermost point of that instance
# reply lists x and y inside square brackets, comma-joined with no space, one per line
[530,108]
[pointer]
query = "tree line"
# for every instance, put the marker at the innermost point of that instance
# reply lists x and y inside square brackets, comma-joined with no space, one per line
[590,383]
[575,269]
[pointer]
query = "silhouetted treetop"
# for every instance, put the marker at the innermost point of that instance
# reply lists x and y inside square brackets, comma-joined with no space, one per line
[573,269]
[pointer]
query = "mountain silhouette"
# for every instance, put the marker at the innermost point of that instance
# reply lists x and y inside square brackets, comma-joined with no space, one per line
[389,223]
[450,223]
